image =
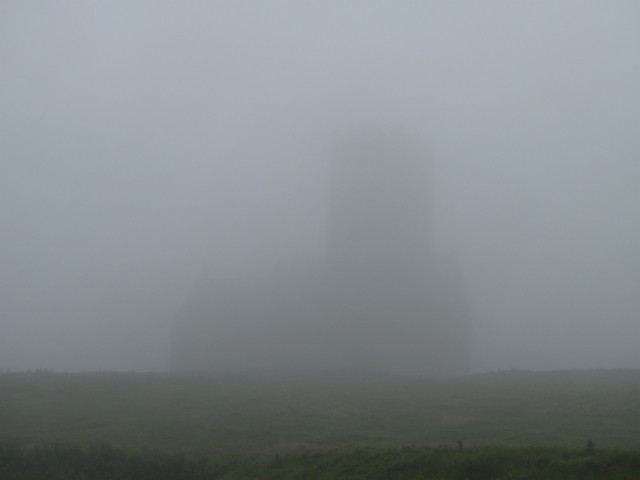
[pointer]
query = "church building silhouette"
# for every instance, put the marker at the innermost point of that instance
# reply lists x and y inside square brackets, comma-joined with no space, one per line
[381,299]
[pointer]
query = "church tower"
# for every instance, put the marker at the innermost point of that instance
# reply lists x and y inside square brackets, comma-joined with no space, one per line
[399,305]
[380,201]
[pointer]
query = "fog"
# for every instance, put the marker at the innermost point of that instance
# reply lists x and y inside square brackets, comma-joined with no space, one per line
[142,140]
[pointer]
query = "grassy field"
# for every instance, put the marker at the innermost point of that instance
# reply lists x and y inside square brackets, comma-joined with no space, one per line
[505,425]
[61,462]
[280,413]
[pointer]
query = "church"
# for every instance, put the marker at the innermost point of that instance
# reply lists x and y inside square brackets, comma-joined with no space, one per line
[381,299]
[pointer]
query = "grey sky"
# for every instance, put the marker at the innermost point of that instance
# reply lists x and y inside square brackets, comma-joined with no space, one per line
[141,139]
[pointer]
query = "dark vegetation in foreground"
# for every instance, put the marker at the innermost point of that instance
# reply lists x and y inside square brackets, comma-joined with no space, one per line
[63,462]
[514,424]
[283,412]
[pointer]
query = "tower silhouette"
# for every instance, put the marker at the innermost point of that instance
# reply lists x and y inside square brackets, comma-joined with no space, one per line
[381,300]
[380,201]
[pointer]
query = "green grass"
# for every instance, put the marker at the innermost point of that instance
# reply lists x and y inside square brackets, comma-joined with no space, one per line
[488,463]
[513,425]
[280,412]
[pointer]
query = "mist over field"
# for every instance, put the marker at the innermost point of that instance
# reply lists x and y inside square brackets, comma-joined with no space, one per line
[140,141]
